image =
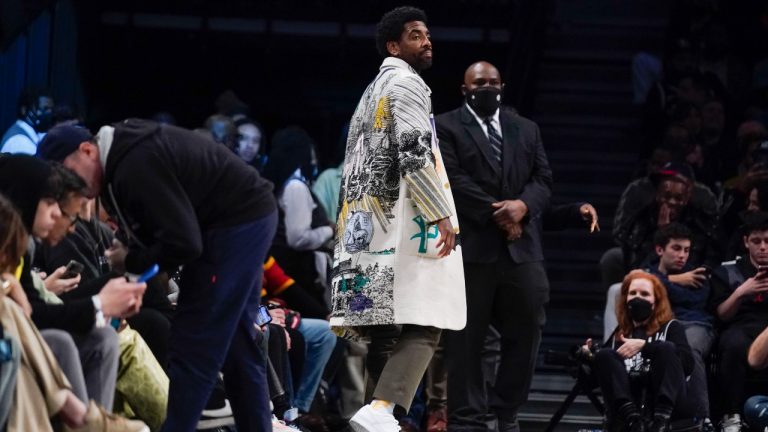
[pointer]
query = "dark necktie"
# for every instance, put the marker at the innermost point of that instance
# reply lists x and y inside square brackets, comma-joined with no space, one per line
[494,138]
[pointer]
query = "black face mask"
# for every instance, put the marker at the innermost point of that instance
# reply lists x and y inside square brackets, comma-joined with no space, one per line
[639,309]
[484,100]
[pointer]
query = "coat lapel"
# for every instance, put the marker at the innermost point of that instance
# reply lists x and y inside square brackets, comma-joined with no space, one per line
[478,136]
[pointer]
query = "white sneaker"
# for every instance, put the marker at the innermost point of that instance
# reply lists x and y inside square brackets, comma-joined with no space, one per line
[731,423]
[280,426]
[367,419]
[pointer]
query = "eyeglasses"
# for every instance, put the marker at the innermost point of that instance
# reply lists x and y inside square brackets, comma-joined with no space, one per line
[72,218]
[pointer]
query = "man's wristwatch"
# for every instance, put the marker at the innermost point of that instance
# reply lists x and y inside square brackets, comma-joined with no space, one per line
[100,321]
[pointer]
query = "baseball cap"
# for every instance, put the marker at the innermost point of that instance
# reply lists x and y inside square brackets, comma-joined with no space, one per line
[61,141]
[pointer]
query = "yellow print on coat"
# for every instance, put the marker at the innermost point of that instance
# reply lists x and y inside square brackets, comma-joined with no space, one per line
[383,116]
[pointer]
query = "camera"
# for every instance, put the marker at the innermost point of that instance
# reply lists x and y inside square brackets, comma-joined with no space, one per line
[584,355]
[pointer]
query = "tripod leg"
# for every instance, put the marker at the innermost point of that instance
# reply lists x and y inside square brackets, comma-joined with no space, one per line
[563,408]
[595,401]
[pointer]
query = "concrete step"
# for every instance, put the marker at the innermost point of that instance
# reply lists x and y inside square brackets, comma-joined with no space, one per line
[574,35]
[619,75]
[586,55]
[609,105]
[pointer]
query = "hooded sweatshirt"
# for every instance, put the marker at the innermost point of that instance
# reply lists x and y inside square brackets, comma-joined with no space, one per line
[168,186]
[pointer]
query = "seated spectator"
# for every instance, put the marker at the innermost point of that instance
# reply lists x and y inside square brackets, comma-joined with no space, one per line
[302,241]
[251,143]
[648,351]
[688,292]
[87,240]
[41,391]
[142,385]
[738,301]
[75,329]
[732,222]
[35,111]
[222,129]
[647,204]
[756,407]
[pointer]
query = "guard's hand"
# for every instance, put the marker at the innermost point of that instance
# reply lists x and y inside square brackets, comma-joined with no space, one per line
[509,211]
[447,237]
[589,214]
[514,231]
[630,347]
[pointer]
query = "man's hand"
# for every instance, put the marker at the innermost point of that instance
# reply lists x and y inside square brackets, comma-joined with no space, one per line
[589,214]
[447,237]
[693,279]
[752,286]
[17,294]
[509,211]
[116,256]
[630,347]
[514,231]
[120,298]
[55,284]
[665,216]
[278,316]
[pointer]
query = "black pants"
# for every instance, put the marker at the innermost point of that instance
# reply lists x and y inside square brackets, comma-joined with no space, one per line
[155,328]
[733,369]
[512,297]
[664,383]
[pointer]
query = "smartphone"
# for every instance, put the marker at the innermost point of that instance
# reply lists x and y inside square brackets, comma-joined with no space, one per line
[762,272]
[147,275]
[263,317]
[73,269]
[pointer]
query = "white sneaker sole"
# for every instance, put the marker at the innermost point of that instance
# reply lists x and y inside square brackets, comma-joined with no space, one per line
[358,427]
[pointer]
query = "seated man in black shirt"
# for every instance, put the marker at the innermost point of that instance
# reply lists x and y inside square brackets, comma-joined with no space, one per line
[739,300]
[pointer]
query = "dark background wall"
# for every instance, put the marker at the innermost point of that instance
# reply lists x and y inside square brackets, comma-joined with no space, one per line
[292,62]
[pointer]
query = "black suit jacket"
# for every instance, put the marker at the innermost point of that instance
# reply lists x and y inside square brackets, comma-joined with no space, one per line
[477,182]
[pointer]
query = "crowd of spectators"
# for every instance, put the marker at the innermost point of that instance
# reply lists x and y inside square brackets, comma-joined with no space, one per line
[695,216]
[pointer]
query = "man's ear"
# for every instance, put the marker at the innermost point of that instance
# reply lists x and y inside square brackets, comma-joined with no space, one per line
[659,250]
[393,48]
[464,89]
[89,149]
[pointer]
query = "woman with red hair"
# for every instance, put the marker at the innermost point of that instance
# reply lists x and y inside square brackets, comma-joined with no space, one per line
[646,359]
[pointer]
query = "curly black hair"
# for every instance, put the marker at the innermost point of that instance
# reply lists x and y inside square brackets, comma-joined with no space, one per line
[390,28]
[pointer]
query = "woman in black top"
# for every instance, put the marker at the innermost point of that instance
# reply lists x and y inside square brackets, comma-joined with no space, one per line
[646,360]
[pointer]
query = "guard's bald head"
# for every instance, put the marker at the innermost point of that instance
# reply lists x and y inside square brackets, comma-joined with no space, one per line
[480,74]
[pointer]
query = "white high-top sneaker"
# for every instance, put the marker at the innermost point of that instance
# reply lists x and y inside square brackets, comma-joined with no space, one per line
[368,419]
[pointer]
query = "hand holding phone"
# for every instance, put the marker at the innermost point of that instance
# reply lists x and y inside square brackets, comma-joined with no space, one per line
[73,269]
[263,317]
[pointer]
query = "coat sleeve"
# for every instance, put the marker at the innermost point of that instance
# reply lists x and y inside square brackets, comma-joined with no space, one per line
[413,135]
[537,191]
[474,202]
[563,216]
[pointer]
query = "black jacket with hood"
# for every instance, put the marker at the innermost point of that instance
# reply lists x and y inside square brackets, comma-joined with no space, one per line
[168,186]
